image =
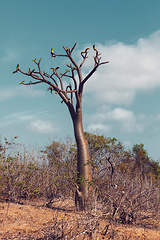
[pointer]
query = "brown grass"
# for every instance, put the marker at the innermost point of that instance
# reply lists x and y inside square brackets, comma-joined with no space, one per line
[33,220]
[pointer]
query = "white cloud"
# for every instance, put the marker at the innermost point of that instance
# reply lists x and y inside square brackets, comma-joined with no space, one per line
[120,114]
[126,118]
[19,91]
[122,118]
[20,116]
[16,118]
[99,127]
[9,55]
[36,122]
[131,68]
[43,126]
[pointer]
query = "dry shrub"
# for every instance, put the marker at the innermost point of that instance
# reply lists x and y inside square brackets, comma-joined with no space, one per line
[126,185]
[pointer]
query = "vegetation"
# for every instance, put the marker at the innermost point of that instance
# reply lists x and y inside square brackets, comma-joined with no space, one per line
[125,184]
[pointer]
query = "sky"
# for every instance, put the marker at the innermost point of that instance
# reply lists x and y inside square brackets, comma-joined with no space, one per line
[121,100]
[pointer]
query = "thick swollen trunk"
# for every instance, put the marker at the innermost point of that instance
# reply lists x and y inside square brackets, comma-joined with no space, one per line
[83,165]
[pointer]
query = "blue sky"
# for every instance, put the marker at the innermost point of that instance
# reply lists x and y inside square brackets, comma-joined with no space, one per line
[121,100]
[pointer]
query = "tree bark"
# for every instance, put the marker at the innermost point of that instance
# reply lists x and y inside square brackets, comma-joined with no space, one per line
[83,165]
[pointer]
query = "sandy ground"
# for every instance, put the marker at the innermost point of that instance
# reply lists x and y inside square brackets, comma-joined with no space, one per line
[32,219]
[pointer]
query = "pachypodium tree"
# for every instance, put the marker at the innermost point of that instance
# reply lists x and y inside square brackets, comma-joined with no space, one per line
[71,95]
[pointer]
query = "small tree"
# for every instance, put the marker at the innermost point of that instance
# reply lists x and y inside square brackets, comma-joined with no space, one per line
[72,97]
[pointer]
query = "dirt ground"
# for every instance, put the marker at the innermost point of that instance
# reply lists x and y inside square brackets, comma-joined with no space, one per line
[33,220]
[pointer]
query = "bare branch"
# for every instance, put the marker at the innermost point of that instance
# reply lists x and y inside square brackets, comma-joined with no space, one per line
[32,83]
[63,91]
[73,47]
[84,55]
[92,71]
[111,176]
[40,70]
[31,74]
[75,83]
[48,78]
[46,74]
[68,51]
[60,80]
[54,54]
[70,87]
[54,80]
[74,80]
[41,79]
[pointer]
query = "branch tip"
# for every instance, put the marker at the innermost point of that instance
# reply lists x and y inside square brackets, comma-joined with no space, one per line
[17,69]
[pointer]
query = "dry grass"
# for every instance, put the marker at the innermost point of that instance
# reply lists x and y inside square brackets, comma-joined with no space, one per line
[35,221]
[30,218]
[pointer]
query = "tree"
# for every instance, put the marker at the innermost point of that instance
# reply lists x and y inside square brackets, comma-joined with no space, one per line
[143,162]
[72,97]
